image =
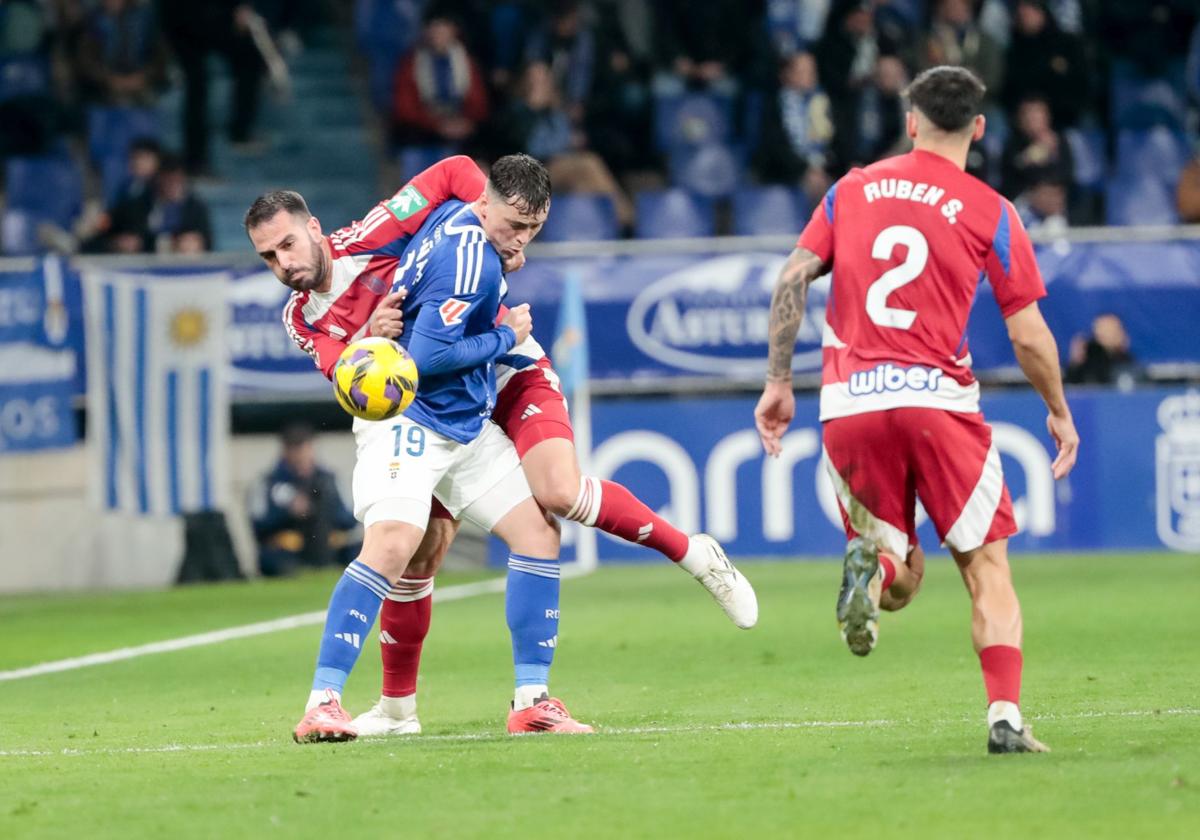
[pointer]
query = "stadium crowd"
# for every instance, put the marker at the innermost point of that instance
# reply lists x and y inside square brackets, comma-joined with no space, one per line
[662,115]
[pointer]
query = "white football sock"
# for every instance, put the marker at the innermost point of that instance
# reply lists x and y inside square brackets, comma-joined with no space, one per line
[697,558]
[319,695]
[527,695]
[1004,710]
[399,708]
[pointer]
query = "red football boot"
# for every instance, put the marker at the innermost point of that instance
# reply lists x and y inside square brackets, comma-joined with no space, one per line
[327,721]
[547,714]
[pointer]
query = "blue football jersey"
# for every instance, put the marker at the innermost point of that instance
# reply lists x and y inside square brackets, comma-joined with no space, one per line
[454,280]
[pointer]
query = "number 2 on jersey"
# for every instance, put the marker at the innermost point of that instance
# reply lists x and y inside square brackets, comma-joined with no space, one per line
[415,439]
[892,279]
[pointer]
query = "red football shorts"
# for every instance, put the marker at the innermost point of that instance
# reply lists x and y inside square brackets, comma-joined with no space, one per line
[881,462]
[531,409]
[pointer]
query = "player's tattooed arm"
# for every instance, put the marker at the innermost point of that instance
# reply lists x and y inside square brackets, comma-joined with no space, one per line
[787,311]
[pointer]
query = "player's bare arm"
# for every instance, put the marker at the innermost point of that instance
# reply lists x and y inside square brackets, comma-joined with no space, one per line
[1037,353]
[777,405]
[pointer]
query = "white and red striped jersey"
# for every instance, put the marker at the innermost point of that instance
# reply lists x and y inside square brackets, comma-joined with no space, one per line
[365,257]
[525,356]
[909,240]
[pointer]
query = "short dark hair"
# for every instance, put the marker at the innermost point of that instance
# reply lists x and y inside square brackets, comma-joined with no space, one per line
[523,178]
[951,97]
[296,434]
[266,206]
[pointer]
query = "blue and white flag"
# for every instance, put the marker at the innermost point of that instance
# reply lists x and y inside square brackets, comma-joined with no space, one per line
[570,349]
[158,403]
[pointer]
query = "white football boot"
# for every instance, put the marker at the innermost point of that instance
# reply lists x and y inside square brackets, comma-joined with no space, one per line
[389,716]
[706,562]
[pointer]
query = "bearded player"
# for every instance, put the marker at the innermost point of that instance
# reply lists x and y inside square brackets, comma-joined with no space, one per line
[908,240]
[323,316]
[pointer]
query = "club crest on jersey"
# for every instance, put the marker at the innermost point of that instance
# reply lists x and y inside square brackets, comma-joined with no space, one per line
[406,202]
[452,311]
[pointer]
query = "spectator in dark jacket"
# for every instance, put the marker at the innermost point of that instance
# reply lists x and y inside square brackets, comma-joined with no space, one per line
[797,126]
[162,216]
[299,517]
[1045,61]
[1035,153]
[1104,358]
[566,43]
[122,54]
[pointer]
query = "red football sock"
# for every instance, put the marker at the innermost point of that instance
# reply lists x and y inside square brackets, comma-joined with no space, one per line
[889,569]
[1002,673]
[613,509]
[403,625]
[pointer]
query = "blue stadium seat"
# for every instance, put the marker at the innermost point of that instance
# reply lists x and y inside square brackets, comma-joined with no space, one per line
[664,214]
[111,130]
[1087,150]
[23,77]
[580,217]
[692,119]
[39,190]
[767,210]
[1140,201]
[49,188]
[712,170]
[414,159]
[1154,154]
[1138,101]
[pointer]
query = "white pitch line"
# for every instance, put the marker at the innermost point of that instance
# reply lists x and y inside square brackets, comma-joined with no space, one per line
[736,726]
[450,593]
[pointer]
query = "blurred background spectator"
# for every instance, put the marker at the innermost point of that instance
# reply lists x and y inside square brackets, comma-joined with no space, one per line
[956,38]
[196,31]
[440,95]
[300,520]
[1104,357]
[797,128]
[1037,163]
[1045,61]
[122,56]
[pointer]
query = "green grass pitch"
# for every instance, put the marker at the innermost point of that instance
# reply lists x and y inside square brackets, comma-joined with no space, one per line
[705,731]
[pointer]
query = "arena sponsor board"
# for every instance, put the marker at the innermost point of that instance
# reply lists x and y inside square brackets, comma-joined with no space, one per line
[1136,484]
[38,367]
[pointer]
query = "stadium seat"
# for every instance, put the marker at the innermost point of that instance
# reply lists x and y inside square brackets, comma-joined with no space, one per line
[767,210]
[1140,201]
[414,159]
[1156,154]
[23,77]
[1087,150]
[49,188]
[712,170]
[692,119]
[111,130]
[1140,102]
[664,214]
[580,217]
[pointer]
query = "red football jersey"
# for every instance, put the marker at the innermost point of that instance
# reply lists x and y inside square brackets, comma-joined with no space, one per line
[365,256]
[909,239]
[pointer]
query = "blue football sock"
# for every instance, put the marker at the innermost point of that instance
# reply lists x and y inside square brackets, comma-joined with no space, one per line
[352,609]
[531,607]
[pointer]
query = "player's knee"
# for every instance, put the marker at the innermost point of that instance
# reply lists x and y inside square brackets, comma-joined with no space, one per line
[558,495]
[388,546]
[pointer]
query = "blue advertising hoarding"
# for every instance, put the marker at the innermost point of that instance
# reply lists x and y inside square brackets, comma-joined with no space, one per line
[699,462]
[38,364]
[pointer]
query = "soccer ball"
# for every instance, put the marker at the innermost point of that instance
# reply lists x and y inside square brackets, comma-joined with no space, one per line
[375,378]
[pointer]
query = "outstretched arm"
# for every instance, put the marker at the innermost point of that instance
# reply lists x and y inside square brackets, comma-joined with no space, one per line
[777,405]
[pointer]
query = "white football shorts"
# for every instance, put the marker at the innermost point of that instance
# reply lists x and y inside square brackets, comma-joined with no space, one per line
[400,464]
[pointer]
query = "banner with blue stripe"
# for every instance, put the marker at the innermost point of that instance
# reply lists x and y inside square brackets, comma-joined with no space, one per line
[158,403]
